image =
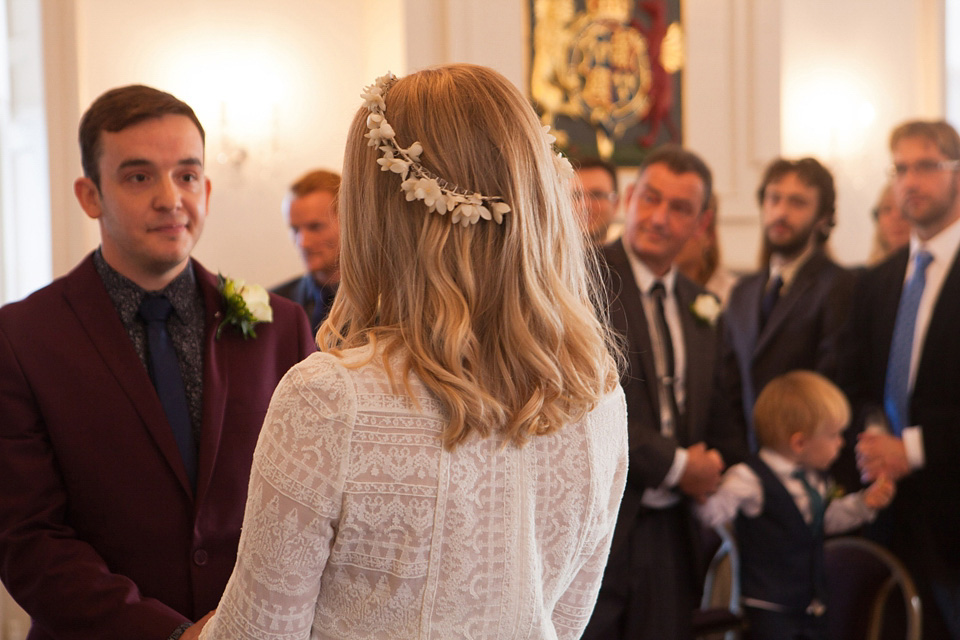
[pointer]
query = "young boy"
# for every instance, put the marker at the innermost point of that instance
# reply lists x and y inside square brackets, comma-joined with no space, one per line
[781,503]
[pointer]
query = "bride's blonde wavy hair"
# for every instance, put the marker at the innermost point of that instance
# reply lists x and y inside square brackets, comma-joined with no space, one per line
[500,322]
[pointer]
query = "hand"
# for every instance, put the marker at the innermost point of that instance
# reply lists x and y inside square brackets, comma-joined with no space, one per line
[879,494]
[881,454]
[194,632]
[701,476]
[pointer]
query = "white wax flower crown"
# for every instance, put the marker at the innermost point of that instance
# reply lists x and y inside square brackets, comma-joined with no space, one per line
[420,184]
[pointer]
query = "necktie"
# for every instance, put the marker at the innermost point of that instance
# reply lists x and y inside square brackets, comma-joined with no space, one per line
[164,370]
[769,300]
[896,391]
[817,506]
[658,292]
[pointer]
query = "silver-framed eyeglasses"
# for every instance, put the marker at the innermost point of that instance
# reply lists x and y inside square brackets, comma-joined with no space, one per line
[922,167]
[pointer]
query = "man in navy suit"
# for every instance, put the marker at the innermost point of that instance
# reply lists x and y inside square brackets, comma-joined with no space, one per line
[651,583]
[790,314]
[906,362]
[131,404]
[310,209]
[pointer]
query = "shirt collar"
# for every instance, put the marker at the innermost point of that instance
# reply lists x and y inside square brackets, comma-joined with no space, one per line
[788,270]
[127,295]
[645,278]
[943,246]
[778,463]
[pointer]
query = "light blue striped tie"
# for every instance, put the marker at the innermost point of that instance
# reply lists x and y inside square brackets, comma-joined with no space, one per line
[896,391]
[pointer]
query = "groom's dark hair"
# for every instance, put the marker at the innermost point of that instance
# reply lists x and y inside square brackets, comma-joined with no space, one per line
[120,108]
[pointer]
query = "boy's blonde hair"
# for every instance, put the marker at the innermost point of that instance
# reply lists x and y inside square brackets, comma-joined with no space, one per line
[500,321]
[797,402]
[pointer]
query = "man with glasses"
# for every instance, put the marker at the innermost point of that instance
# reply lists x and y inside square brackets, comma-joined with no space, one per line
[789,314]
[905,363]
[652,579]
[596,198]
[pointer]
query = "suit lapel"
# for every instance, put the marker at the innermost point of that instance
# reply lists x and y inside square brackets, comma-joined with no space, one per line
[942,327]
[215,377]
[889,302]
[743,314]
[699,349]
[89,300]
[634,326]
[805,279]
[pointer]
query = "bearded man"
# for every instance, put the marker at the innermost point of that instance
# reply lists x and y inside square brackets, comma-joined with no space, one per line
[791,313]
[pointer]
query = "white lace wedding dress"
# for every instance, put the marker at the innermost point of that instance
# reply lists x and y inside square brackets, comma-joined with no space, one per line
[360,525]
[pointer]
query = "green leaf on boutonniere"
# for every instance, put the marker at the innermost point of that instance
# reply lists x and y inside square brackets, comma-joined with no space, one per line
[245,305]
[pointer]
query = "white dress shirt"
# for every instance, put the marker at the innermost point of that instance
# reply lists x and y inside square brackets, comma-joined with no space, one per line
[741,491]
[662,496]
[787,270]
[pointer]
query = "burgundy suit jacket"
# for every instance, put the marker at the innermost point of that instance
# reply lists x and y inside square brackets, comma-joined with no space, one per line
[100,533]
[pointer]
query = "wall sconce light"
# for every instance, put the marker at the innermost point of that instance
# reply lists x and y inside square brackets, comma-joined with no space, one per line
[247,131]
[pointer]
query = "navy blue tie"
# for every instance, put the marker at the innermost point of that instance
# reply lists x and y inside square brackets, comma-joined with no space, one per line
[769,300]
[896,391]
[164,367]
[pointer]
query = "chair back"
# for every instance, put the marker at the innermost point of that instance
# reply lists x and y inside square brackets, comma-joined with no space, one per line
[720,614]
[861,578]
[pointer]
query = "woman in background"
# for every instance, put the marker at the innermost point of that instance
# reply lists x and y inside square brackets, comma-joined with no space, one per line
[892,229]
[451,464]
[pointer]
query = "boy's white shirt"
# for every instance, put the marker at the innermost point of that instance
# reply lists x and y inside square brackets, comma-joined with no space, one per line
[741,490]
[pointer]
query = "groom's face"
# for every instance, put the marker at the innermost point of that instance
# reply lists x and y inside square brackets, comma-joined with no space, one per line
[152,200]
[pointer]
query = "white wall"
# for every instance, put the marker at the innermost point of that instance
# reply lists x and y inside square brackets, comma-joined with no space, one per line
[851,71]
[280,80]
[289,73]
[25,251]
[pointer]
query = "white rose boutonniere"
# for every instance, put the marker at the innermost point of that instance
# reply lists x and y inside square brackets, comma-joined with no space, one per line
[706,308]
[246,305]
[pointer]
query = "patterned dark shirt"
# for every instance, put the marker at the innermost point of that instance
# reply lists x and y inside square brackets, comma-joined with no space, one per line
[185,325]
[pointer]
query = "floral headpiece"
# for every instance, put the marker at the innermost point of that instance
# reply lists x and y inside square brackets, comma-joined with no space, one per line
[419,183]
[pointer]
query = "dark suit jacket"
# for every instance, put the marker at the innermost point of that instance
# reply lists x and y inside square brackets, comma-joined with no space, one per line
[300,290]
[100,534]
[925,514]
[651,453]
[803,331]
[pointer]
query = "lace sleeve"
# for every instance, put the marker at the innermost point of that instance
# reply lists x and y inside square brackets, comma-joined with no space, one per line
[292,506]
[575,606]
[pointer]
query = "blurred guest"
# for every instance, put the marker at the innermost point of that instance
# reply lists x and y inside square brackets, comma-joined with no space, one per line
[451,465]
[595,194]
[790,314]
[700,259]
[892,227]
[906,360]
[310,209]
[677,451]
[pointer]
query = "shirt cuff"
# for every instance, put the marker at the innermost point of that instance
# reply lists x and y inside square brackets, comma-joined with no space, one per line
[913,445]
[676,469]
